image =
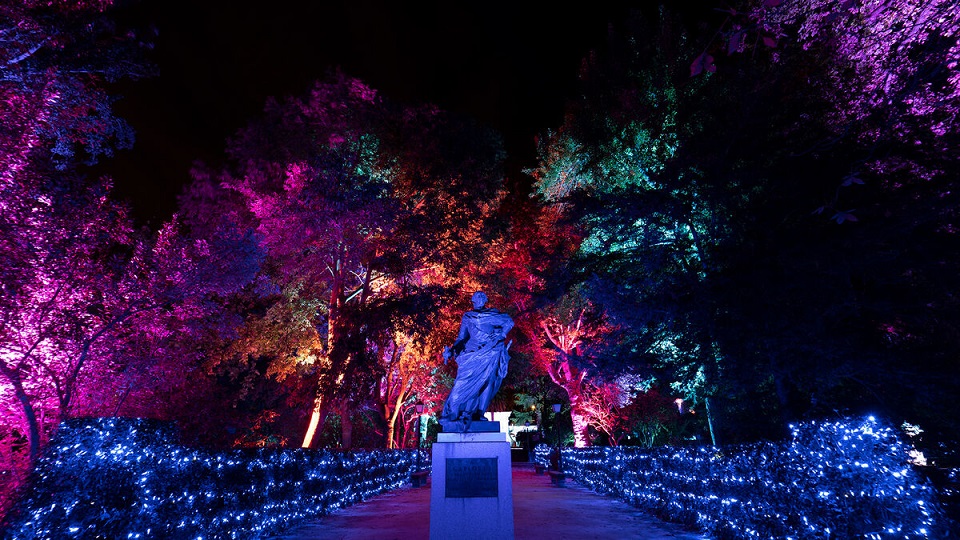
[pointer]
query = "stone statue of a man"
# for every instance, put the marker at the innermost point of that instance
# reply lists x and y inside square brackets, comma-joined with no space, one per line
[482,353]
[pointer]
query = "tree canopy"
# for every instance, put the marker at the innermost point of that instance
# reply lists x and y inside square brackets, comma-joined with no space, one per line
[734,227]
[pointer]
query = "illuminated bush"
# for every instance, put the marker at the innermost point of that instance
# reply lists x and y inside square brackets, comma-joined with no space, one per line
[849,479]
[126,478]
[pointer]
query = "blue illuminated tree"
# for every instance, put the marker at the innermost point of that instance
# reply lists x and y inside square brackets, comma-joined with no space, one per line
[649,234]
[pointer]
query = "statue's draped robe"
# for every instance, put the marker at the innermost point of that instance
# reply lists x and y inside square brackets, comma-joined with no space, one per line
[482,358]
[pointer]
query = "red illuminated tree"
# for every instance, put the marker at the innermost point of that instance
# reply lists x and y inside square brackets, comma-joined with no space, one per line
[653,417]
[365,209]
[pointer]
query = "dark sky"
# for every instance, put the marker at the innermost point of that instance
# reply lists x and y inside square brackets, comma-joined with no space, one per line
[508,64]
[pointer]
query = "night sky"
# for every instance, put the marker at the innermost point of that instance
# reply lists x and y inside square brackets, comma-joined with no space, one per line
[508,67]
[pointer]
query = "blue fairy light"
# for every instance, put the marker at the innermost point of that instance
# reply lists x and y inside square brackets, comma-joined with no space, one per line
[126,478]
[846,479]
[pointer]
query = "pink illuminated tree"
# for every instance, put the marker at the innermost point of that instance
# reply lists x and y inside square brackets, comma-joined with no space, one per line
[572,329]
[603,405]
[63,241]
[366,210]
[95,302]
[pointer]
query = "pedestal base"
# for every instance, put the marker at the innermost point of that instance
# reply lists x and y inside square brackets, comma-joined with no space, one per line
[471,494]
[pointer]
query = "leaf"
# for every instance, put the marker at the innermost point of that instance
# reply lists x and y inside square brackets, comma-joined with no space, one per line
[704,61]
[851,179]
[840,217]
[771,3]
[735,40]
[769,42]
[697,66]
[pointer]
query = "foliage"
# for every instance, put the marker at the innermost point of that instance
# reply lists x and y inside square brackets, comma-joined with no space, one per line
[368,213]
[764,248]
[61,240]
[890,64]
[846,479]
[98,316]
[55,59]
[117,477]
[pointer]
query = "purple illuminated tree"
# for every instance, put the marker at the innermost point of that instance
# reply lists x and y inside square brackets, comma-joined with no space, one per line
[57,233]
[55,59]
[96,307]
[886,70]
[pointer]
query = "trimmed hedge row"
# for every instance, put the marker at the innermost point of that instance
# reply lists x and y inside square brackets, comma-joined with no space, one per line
[848,479]
[127,478]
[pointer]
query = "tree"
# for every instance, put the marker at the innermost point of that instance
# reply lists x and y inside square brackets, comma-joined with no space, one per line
[648,221]
[91,290]
[702,201]
[57,233]
[652,417]
[603,406]
[881,72]
[55,60]
[363,214]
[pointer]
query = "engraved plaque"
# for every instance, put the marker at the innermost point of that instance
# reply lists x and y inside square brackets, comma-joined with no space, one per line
[471,477]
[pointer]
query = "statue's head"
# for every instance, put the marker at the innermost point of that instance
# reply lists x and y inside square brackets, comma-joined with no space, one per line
[479,299]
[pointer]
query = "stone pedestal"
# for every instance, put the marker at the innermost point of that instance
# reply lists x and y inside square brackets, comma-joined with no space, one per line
[471,495]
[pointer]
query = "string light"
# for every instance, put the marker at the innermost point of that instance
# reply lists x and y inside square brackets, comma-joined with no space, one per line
[848,479]
[126,478]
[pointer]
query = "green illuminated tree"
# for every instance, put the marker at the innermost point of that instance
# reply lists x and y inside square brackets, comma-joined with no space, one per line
[702,202]
[650,231]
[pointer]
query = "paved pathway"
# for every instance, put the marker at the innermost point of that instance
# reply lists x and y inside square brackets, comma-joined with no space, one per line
[540,511]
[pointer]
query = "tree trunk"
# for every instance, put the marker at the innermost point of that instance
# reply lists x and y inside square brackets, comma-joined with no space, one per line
[317,418]
[391,431]
[713,437]
[346,427]
[392,420]
[31,416]
[580,434]
[392,406]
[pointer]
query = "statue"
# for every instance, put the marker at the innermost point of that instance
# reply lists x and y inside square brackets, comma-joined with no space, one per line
[482,357]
